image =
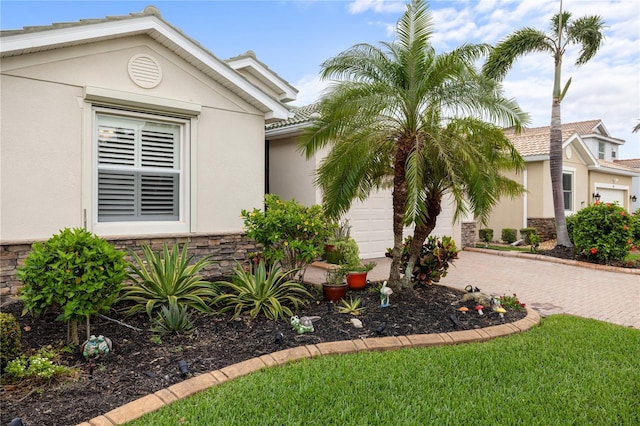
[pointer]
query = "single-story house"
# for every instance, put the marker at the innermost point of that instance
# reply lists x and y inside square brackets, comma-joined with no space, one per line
[127,127]
[590,172]
[292,176]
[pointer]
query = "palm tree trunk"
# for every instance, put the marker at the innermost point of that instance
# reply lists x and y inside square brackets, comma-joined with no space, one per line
[399,197]
[555,160]
[420,234]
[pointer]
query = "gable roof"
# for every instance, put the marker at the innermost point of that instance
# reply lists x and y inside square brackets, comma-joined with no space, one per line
[534,141]
[249,63]
[59,35]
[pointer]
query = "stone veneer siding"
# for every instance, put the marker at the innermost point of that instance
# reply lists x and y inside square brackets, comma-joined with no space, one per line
[469,235]
[225,250]
[545,227]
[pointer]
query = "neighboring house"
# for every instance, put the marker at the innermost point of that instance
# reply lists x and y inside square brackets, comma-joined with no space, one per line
[127,127]
[633,163]
[591,171]
[290,175]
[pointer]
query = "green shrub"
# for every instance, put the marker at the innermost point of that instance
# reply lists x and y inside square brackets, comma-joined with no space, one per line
[75,271]
[10,335]
[433,261]
[173,319]
[526,233]
[291,234]
[571,223]
[602,232]
[167,277]
[260,290]
[349,251]
[486,235]
[635,228]
[509,235]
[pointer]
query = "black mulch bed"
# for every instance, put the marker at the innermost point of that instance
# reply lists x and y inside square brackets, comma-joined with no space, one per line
[137,366]
[569,253]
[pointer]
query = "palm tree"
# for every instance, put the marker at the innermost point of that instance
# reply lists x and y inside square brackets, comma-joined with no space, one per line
[586,32]
[425,124]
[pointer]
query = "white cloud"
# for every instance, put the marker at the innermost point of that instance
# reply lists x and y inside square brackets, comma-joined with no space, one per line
[377,6]
[310,89]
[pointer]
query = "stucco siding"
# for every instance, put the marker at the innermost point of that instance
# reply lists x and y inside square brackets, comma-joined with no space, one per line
[47,138]
[290,174]
[508,213]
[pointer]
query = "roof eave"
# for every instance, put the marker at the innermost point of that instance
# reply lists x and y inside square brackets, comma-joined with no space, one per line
[163,33]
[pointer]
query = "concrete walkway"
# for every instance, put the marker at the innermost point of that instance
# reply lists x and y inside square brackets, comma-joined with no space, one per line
[576,288]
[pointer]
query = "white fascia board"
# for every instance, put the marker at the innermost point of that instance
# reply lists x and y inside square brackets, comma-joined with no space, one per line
[582,149]
[68,35]
[613,171]
[532,158]
[148,24]
[288,92]
[616,141]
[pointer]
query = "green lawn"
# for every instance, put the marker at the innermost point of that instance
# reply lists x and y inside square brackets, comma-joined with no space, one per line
[567,371]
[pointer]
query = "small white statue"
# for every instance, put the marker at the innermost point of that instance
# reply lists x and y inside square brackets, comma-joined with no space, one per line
[385,292]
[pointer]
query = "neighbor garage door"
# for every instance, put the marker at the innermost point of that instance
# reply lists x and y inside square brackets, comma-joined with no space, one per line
[608,195]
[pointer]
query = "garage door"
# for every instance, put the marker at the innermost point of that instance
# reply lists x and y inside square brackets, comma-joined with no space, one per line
[608,195]
[372,224]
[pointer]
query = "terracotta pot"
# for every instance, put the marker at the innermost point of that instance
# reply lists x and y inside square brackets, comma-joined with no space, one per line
[333,293]
[356,280]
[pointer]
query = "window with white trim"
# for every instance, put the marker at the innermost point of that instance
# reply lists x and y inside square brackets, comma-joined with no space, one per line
[601,147]
[139,172]
[567,190]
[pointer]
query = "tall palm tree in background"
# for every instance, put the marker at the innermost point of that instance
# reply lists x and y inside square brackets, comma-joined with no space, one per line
[586,32]
[425,124]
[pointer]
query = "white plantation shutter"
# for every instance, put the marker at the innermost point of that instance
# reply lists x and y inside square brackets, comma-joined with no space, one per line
[138,170]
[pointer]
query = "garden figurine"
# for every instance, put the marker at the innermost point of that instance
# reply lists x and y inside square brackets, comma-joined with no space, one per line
[304,324]
[96,346]
[385,292]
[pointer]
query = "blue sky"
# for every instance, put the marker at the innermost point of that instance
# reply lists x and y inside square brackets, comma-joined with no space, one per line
[294,37]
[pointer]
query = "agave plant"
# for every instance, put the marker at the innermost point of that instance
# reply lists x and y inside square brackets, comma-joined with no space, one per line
[173,319]
[260,289]
[167,277]
[353,306]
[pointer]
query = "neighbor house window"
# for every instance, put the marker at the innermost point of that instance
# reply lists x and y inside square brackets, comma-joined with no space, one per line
[567,190]
[613,154]
[138,169]
[601,150]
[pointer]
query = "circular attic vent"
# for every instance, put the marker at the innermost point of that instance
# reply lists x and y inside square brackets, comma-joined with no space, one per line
[145,71]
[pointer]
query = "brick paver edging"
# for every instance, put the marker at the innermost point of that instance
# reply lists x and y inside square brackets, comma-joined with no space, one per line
[166,396]
[524,255]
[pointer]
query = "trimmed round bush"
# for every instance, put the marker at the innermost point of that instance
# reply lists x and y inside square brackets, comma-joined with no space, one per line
[602,232]
[74,271]
[526,234]
[486,235]
[509,235]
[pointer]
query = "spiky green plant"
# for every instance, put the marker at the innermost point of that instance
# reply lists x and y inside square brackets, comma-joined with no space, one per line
[261,290]
[353,306]
[173,318]
[167,277]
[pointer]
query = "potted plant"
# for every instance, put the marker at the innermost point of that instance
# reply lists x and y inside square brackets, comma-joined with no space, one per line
[334,288]
[357,275]
[353,268]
